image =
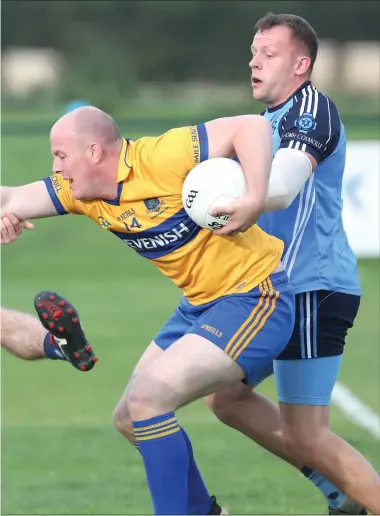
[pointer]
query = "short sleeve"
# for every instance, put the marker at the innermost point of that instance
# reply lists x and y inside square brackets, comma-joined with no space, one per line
[311,125]
[61,195]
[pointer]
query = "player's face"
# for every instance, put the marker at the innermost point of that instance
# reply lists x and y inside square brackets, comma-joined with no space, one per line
[72,159]
[274,64]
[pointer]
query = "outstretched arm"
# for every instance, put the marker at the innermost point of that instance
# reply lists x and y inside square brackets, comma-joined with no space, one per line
[30,201]
[18,203]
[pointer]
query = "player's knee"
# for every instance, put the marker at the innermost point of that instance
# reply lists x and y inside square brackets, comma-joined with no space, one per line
[123,421]
[220,405]
[224,403]
[212,402]
[146,398]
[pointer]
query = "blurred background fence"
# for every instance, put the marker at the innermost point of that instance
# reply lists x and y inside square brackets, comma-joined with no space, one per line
[175,61]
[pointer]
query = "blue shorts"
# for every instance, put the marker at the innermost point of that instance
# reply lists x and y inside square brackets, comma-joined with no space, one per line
[251,328]
[307,369]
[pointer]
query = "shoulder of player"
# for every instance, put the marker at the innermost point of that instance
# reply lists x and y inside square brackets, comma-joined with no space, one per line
[144,148]
[314,101]
[170,154]
[174,132]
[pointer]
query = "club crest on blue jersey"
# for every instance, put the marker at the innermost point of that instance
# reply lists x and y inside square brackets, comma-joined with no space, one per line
[306,123]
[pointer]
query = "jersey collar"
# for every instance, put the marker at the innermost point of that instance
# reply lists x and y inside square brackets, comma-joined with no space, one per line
[279,106]
[125,160]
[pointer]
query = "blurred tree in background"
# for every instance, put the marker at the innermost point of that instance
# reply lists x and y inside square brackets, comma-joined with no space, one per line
[112,47]
[168,40]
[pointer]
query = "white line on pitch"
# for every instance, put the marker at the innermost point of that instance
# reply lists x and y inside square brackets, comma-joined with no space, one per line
[355,410]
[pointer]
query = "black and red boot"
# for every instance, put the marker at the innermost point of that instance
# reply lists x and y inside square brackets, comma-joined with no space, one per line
[61,319]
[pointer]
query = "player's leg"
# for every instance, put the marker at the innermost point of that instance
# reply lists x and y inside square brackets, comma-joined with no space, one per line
[239,408]
[258,418]
[308,436]
[228,342]
[22,334]
[174,328]
[247,411]
[252,414]
[26,337]
[199,500]
[304,389]
[153,396]
[121,415]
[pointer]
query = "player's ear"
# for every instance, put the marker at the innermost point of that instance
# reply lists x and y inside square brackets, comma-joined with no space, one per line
[303,65]
[96,151]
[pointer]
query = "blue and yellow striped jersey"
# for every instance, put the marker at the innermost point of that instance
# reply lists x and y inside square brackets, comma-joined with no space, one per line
[148,215]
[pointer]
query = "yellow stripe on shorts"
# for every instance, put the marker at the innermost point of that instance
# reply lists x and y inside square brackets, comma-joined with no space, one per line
[252,326]
[255,321]
[260,325]
[247,321]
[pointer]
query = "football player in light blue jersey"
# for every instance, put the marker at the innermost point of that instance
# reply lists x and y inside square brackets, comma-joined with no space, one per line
[309,145]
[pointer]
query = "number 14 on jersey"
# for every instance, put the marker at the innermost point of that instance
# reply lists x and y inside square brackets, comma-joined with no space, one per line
[135,224]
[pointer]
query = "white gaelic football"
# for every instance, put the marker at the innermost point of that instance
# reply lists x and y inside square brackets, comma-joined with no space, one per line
[214,182]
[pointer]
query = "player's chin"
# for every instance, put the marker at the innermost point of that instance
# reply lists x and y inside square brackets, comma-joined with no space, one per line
[258,93]
[77,194]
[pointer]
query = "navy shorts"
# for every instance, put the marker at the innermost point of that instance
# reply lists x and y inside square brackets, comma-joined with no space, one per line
[322,320]
[251,328]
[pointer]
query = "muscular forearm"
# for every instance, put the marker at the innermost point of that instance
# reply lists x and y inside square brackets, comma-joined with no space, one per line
[253,146]
[31,201]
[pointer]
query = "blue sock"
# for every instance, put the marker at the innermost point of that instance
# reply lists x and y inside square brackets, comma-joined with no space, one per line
[166,460]
[333,495]
[199,501]
[51,349]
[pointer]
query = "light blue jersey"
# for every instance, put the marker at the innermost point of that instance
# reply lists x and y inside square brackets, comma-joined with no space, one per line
[317,255]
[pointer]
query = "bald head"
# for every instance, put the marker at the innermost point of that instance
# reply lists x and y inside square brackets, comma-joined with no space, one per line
[86,146]
[90,124]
